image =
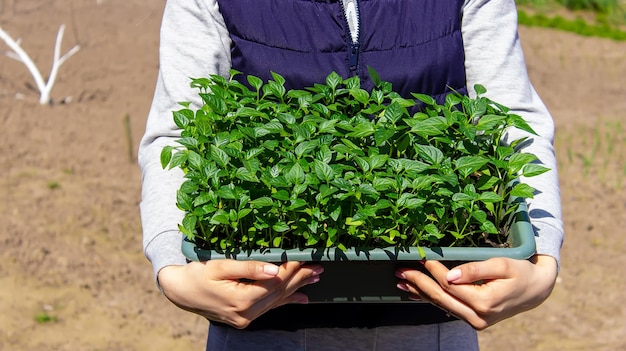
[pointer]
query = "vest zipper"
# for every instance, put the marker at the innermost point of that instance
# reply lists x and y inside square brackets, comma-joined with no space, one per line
[351,15]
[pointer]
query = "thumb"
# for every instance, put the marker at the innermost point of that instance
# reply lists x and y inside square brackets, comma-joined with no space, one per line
[233,269]
[495,268]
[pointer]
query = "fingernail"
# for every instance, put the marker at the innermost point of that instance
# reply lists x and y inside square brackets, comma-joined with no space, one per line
[400,274]
[318,271]
[303,300]
[454,274]
[402,287]
[270,269]
[314,279]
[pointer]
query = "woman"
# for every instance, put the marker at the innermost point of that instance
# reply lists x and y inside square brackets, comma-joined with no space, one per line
[428,46]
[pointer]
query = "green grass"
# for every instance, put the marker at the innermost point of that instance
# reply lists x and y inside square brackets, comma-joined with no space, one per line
[44,318]
[595,153]
[595,18]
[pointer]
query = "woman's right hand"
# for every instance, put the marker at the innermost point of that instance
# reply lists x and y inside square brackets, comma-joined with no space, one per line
[236,292]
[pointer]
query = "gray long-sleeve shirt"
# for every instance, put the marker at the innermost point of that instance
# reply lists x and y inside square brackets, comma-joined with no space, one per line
[195,43]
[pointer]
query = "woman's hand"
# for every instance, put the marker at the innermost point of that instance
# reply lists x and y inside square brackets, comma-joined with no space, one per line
[483,293]
[235,292]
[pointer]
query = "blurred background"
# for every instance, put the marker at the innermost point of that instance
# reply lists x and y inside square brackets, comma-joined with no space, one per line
[72,272]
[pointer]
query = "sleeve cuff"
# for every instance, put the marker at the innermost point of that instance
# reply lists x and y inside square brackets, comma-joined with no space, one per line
[165,250]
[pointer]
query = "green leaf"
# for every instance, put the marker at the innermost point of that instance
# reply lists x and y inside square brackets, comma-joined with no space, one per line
[462,197]
[166,155]
[274,88]
[532,170]
[476,108]
[184,201]
[381,135]
[246,112]
[200,83]
[277,240]
[368,189]
[245,175]
[282,195]
[411,166]
[433,230]
[323,171]
[503,151]
[452,100]
[519,123]
[327,126]
[243,213]
[296,204]
[278,78]
[280,227]
[523,190]
[321,108]
[255,82]
[274,126]
[305,148]
[387,239]
[189,224]
[360,95]
[486,182]
[467,165]
[394,112]
[188,142]
[195,160]
[215,103]
[383,184]
[262,202]
[489,122]
[519,160]
[362,163]
[490,196]
[421,252]
[253,152]
[428,127]
[189,187]
[220,217]
[362,130]
[299,94]
[182,118]
[427,99]
[353,223]
[374,76]
[299,189]
[219,156]
[295,174]
[430,154]
[480,90]
[377,161]
[480,216]
[227,193]
[468,130]
[489,227]
[203,198]
[382,204]
[280,182]
[333,80]
[324,154]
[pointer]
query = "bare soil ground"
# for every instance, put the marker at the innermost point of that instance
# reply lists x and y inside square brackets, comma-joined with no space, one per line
[72,274]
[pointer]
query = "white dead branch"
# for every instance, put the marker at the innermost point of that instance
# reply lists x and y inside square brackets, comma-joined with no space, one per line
[19,54]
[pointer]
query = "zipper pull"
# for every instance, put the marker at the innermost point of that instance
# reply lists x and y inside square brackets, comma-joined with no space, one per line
[353,60]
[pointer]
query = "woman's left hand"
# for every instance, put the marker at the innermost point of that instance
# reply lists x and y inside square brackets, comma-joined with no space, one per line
[483,293]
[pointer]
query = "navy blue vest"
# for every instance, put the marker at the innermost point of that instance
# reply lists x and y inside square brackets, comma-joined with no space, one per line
[416,45]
